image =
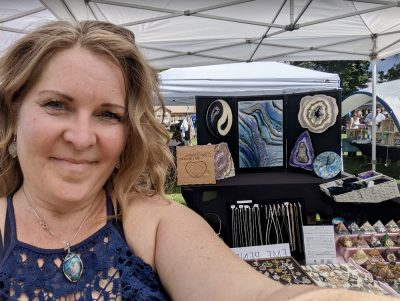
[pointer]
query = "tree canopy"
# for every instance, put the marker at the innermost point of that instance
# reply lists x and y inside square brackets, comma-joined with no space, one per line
[353,75]
[392,74]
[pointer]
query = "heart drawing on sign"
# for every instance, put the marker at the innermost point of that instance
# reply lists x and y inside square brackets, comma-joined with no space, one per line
[196,169]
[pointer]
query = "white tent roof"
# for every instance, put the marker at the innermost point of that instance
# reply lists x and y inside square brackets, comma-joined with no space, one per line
[181,33]
[387,93]
[257,78]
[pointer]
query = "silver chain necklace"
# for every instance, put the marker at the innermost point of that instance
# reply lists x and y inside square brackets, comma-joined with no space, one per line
[72,263]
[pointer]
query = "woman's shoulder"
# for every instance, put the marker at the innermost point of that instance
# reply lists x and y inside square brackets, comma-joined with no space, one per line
[141,219]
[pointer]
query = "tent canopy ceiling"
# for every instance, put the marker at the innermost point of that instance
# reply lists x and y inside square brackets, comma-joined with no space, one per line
[387,94]
[181,33]
[243,79]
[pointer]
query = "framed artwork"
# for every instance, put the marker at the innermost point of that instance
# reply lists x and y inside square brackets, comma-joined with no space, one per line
[261,133]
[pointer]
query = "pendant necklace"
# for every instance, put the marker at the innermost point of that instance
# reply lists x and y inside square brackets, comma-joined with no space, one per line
[72,263]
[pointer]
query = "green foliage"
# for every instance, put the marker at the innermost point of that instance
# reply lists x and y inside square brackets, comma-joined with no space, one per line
[174,194]
[393,73]
[353,74]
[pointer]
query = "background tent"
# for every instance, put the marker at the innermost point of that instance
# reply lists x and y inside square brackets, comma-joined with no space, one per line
[242,79]
[176,33]
[387,94]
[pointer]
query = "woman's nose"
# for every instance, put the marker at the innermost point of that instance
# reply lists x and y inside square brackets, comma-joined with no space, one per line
[80,132]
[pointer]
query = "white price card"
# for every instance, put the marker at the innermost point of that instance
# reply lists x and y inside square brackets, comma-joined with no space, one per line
[319,244]
[261,252]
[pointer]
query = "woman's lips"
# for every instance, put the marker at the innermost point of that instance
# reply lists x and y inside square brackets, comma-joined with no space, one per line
[78,166]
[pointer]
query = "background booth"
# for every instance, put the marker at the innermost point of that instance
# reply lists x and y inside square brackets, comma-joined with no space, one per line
[388,136]
[261,81]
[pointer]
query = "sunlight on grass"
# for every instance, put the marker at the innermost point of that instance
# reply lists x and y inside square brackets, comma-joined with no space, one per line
[174,194]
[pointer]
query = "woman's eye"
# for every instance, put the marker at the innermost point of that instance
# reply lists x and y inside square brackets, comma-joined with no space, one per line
[55,105]
[111,116]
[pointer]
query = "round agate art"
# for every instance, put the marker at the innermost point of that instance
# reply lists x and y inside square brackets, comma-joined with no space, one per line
[219,118]
[317,113]
[327,165]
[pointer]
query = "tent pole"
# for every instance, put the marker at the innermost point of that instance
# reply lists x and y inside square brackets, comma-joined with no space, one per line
[373,129]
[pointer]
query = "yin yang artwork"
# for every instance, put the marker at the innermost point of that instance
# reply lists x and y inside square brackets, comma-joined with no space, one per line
[260,125]
[219,118]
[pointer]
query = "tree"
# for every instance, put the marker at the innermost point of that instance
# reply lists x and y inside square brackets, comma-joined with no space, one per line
[353,74]
[393,73]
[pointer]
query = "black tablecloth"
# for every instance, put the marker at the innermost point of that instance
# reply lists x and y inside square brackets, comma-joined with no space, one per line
[382,151]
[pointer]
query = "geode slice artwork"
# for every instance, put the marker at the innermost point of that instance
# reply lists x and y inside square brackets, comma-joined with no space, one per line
[318,112]
[260,133]
[302,154]
[219,118]
[224,167]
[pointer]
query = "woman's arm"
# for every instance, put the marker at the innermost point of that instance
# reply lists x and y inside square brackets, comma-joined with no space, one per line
[195,264]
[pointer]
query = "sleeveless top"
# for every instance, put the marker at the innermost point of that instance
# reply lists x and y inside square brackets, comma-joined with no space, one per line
[110,269]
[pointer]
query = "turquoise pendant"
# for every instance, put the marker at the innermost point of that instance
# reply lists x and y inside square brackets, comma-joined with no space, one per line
[72,266]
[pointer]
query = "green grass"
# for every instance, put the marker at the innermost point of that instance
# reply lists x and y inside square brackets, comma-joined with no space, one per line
[174,194]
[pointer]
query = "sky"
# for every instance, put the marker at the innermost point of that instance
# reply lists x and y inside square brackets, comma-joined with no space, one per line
[386,64]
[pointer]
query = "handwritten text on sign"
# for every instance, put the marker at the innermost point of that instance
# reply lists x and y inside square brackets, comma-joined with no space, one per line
[268,251]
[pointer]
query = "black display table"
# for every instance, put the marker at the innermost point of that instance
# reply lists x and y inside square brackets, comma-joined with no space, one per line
[265,187]
[382,151]
[270,187]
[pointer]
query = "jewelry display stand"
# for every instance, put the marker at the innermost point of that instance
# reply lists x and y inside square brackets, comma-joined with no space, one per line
[255,224]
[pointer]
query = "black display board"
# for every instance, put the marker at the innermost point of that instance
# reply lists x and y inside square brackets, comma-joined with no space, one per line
[204,136]
[329,140]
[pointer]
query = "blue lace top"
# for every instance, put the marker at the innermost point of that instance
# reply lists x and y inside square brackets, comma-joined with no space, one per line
[110,269]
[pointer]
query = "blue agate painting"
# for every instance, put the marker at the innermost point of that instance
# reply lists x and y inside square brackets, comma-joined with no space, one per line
[260,133]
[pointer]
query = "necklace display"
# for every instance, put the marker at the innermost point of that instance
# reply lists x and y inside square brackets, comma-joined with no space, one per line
[72,264]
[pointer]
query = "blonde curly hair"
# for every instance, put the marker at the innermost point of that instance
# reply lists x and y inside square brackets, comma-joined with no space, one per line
[145,162]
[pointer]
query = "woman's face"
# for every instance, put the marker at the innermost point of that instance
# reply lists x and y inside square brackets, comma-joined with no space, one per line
[70,130]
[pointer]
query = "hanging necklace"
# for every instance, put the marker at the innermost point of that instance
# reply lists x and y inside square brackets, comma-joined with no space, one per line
[72,264]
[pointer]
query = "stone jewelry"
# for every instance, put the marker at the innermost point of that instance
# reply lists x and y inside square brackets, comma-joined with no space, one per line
[367,228]
[354,229]
[72,263]
[392,227]
[360,257]
[346,242]
[12,148]
[387,241]
[379,227]
[374,241]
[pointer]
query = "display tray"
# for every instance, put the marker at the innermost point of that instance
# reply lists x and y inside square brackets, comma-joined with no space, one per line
[392,286]
[344,276]
[347,252]
[286,270]
[383,188]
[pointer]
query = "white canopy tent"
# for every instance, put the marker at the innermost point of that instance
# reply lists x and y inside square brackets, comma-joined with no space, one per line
[387,94]
[181,33]
[181,85]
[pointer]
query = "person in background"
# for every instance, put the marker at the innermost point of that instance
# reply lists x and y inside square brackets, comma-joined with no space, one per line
[369,118]
[83,163]
[355,120]
[191,131]
[184,131]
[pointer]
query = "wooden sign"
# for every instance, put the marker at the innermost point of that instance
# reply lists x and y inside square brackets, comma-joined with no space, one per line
[195,164]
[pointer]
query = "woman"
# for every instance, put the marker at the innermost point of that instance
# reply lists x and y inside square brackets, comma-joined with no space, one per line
[79,143]
[355,120]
